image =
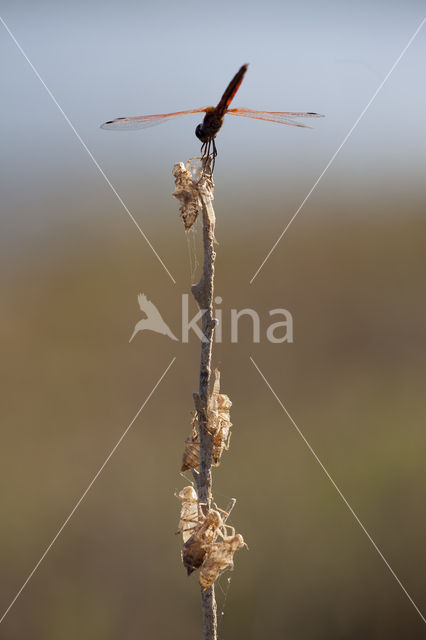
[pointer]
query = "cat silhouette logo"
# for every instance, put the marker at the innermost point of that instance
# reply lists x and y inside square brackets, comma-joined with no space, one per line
[153,320]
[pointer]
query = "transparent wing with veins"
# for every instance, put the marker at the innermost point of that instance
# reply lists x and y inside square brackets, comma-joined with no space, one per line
[143,122]
[282,117]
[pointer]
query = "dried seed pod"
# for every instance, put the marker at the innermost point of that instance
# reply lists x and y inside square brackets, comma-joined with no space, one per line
[218,424]
[191,453]
[204,535]
[218,557]
[188,513]
[187,194]
[222,437]
[219,420]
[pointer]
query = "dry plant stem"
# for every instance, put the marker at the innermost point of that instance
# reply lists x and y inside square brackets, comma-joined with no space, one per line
[203,293]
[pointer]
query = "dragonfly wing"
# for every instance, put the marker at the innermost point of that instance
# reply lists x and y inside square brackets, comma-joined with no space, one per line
[283,117]
[142,122]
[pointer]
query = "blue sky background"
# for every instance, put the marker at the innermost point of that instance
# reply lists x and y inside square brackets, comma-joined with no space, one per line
[103,60]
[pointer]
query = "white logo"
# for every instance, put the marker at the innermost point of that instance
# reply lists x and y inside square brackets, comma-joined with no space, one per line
[153,320]
[275,332]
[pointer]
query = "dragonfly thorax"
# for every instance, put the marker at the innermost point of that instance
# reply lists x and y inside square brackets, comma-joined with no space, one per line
[210,126]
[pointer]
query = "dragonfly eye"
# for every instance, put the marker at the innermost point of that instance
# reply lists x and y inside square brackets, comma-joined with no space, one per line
[199,132]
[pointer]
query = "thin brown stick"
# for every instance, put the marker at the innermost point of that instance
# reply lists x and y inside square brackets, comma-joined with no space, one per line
[203,293]
[191,194]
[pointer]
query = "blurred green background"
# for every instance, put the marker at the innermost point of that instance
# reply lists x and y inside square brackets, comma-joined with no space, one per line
[350,270]
[353,380]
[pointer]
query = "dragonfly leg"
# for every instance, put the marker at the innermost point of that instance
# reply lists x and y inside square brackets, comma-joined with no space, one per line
[214,154]
[208,154]
[205,153]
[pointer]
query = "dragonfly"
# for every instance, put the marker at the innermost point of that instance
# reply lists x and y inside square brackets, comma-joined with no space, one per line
[214,117]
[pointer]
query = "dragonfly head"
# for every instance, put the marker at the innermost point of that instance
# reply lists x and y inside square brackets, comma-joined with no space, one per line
[210,126]
[200,133]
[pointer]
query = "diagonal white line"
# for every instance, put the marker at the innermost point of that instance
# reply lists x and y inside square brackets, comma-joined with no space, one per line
[80,500]
[84,145]
[333,157]
[338,490]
